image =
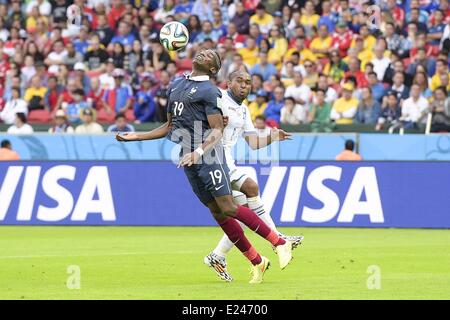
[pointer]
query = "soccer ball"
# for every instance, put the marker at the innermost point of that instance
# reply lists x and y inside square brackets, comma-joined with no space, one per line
[174,36]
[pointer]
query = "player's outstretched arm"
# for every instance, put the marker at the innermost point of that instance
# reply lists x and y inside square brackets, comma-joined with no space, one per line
[256,142]
[216,123]
[157,133]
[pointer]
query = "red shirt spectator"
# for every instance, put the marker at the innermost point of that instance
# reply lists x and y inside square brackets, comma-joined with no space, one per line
[342,38]
[117,10]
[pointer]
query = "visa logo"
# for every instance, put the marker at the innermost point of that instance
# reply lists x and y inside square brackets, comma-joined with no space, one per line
[344,210]
[95,196]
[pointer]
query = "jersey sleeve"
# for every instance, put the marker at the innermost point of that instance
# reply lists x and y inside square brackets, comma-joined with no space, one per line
[213,101]
[249,128]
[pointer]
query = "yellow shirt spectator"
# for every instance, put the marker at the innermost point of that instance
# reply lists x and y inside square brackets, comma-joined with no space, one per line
[320,44]
[436,82]
[279,49]
[257,109]
[305,54]
[369,42]
[250,56]
[265,22]
[346,109]
[310,21]
[32,91]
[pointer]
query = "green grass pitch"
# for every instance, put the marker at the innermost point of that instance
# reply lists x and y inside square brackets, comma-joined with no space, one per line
[167,263]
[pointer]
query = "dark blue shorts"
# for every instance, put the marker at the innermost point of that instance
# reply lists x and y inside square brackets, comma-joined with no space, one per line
[209,180]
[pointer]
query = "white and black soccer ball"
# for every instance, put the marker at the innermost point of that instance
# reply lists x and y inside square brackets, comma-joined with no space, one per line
[174,36]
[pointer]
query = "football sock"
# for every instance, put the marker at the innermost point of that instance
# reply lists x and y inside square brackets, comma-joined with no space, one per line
[256,205]
[254,223]
[225,245]
[236,235]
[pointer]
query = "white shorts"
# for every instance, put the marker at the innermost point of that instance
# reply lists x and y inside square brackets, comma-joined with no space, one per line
[237,177]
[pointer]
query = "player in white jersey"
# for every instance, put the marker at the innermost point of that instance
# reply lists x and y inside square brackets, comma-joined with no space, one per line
[245,189]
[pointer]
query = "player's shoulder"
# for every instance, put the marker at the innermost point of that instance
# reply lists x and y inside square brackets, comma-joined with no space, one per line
[176,82]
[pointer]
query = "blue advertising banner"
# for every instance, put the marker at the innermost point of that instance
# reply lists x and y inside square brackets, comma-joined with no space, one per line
[350,194]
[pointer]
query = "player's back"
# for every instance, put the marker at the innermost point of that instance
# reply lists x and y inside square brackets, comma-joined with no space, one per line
[191,100]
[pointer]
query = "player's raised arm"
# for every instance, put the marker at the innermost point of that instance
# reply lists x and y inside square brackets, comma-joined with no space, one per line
[157,133]
[257,142]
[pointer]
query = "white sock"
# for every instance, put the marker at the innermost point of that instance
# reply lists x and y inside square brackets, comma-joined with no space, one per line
[225,245]
[256,205]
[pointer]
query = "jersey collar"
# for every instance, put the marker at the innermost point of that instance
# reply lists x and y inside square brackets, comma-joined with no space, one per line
[232,97]
[198,78]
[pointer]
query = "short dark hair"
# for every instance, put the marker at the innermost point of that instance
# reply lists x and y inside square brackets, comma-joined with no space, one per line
[119,115]
[290,99]
[5,144]
[22,117]
[236,73]
[260,117]
[349,145]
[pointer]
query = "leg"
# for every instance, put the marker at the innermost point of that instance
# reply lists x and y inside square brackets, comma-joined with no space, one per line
[249,218]
[225,245]
[235,233]
[251,190]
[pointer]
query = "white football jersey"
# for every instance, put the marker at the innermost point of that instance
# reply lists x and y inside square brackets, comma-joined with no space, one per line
[239,123]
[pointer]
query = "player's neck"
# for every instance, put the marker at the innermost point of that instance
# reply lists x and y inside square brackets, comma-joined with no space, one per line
[238,101]
[196,73]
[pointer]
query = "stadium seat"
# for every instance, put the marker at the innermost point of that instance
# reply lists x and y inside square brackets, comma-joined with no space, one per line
[129,115]
[39,116]
[104,117]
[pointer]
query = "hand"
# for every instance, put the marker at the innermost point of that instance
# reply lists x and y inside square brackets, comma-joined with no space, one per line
[127,137]
[280,135]
[225,121]
[189,159]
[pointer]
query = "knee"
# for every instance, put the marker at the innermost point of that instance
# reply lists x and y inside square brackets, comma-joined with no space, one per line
[228,209]
[251,190]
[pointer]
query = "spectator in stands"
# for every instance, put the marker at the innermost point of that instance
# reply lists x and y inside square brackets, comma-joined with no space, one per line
[264,68]
[345,108]
[440,109]
[299,91]
[81,76]
[120,125]
[414,108]
[52,94]
[273,109]
[292,113]
[390,111]
[74,109]
[7,153]
[355,71]
[259,105]
[89,126]
[349,154]
[380,62]
[263,19]
[441,68]
[311,76]
[369,109]
[377,87]
[241,19]
[35,94]
[157,58]
[321,44]
[13,106]
[119,99]
[330,94]
[421,80]
[20,125]
[319,113]
[249,54]
[160,93]
[144,104]
[60,123]
[262,130]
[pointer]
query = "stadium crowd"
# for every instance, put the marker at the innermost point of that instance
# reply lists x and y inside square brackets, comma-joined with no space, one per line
[322,63]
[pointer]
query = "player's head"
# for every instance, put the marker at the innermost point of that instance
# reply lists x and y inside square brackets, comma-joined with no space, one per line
[5,144]
[349,145]
[240,84]
[207,61]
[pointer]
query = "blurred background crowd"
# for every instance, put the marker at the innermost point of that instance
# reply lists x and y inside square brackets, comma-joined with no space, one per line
[384,64]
